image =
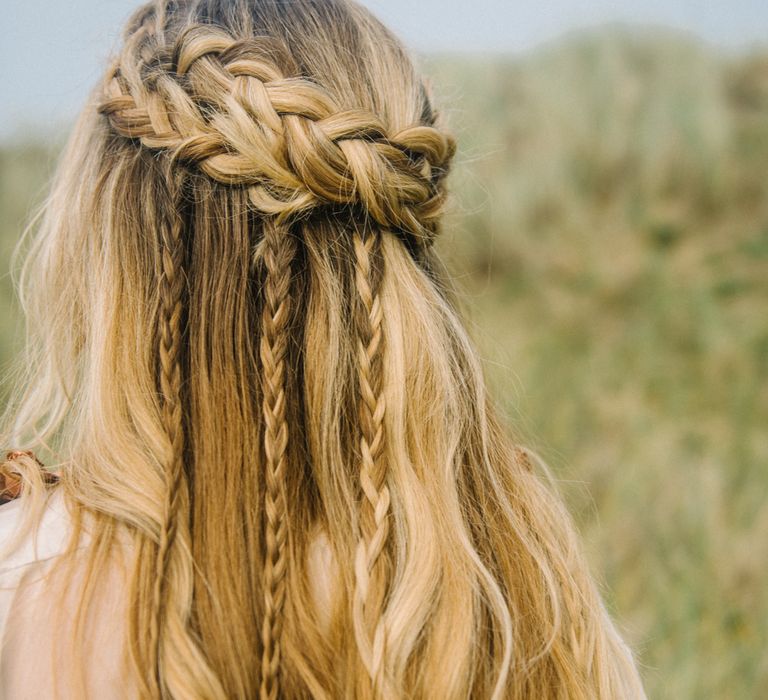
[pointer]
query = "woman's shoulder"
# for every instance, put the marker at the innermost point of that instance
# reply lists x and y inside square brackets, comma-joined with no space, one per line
[31,532]
[39,607]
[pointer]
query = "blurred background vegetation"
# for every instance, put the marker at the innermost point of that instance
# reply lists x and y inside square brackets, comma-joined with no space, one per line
[609,233]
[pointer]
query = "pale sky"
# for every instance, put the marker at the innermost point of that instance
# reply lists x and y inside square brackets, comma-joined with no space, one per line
[52,51]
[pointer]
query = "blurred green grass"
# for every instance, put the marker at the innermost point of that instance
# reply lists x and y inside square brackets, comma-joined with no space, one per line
[609,230]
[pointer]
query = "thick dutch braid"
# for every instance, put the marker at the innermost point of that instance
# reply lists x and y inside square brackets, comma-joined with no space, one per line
[371,567]
[284,137]
[239,111]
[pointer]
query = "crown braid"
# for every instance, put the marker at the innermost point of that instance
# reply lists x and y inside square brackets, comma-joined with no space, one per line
[236,109]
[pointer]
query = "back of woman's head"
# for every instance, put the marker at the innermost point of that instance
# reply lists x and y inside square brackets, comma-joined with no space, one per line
[246,360]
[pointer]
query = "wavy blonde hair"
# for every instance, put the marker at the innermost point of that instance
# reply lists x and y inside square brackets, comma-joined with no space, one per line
[244,357]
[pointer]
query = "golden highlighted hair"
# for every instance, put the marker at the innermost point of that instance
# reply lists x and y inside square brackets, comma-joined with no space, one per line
[246,362]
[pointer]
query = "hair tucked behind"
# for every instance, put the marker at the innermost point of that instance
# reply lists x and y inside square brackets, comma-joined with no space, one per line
[245,362]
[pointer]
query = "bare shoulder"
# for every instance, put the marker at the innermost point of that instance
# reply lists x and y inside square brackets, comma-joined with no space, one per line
[40,610]
[29,533]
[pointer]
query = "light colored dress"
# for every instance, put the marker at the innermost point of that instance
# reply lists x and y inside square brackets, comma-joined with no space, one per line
[37,614]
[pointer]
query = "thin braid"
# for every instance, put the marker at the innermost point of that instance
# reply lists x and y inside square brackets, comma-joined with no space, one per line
[369,626]
[171,291]
[279,251]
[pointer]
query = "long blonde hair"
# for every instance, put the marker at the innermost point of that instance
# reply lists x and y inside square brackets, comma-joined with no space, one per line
[244,352]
